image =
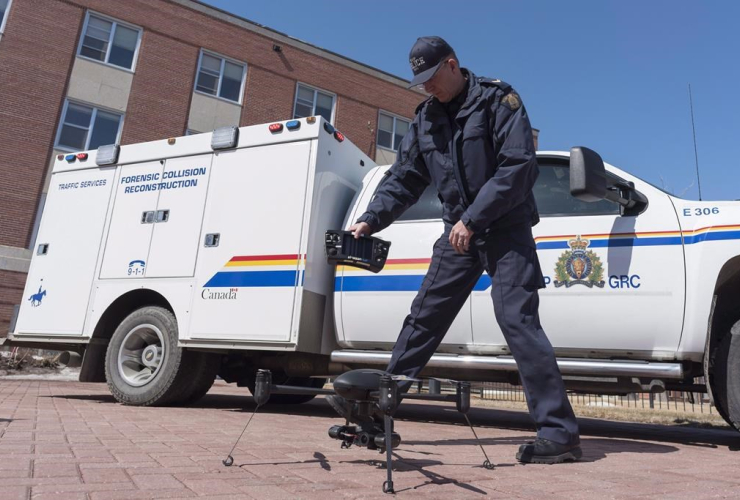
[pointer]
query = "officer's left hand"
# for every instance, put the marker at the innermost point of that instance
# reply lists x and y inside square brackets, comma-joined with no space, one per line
[460,237]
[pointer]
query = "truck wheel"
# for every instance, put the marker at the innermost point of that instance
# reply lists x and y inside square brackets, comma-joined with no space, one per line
[726,375]
[289,399]
[204,375]
[143,365]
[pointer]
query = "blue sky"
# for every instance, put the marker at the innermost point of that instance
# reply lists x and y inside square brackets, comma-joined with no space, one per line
[609,75]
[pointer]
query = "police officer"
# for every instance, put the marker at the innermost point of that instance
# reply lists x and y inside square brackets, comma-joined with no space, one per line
[472,140]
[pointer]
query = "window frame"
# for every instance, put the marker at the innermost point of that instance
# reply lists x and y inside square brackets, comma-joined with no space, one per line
[115,22]
[612,179]
[315,90]
[393,132]
[4,21]
[220,76]
[94,115]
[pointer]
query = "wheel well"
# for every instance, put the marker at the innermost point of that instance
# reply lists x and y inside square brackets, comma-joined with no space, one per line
[725,313]
[93,363]
[727,306]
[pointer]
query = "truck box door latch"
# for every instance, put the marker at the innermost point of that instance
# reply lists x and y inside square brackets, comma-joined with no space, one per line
[212,239]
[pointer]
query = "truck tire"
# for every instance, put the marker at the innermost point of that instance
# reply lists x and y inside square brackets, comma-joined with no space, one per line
[203,376]
[143,365]
[726,377]
[289,399]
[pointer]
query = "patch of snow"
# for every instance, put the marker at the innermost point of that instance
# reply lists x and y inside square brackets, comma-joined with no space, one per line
[65,374]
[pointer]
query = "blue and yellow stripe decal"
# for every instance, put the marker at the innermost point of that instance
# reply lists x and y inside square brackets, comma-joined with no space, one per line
[643,239]
[397,274]
[258,271]
[407,275]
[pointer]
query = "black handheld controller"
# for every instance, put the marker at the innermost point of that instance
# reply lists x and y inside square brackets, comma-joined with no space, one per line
[366,252]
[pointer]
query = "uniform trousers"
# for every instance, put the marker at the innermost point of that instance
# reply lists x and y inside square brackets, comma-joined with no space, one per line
[509,257]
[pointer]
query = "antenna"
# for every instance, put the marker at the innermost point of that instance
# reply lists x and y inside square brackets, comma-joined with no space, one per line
[696,154]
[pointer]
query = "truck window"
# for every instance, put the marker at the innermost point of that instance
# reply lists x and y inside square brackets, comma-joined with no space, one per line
[428,207]
[552,193]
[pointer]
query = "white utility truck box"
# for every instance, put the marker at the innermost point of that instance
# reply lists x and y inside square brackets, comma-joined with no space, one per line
[232,235]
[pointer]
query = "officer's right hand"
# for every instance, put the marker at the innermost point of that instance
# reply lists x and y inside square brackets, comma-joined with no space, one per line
[361,228]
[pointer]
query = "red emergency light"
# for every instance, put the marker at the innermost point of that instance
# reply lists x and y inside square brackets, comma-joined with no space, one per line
[338,135]
[276,127]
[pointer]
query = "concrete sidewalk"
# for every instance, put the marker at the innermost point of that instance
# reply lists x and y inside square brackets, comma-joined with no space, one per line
[68,440]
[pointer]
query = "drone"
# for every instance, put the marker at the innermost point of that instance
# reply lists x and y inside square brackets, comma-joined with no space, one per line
[372,393]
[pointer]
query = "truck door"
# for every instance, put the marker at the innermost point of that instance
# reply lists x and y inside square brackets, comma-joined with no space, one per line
[131,225]
[614,282]
[375,305]
[249,262]
[58,287]
[178,217]
[156,219]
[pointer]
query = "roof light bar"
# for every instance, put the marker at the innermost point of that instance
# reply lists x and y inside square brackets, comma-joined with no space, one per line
[108,155]
[225,138]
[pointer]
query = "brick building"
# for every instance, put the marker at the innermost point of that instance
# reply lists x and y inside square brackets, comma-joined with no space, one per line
[75,74]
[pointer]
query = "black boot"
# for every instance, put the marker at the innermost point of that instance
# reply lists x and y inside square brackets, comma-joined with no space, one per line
[544,451]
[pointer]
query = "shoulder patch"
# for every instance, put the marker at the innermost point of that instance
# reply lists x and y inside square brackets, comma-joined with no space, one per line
[511,101]
[494,82]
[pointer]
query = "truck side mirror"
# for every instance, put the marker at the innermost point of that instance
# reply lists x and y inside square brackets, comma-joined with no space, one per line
[588,182]
[587,175]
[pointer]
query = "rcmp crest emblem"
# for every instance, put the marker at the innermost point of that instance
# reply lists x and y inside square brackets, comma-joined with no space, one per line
[579,266]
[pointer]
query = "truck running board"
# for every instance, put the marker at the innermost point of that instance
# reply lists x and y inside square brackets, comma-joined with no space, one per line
[570,366]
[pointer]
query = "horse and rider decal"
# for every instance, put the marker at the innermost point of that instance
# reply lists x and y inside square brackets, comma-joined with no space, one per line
[36,298]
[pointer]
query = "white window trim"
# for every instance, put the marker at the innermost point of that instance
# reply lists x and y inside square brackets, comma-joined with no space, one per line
[110,41]
[5,18]
[316,89]
[92,121]
[220,77]
[393,133]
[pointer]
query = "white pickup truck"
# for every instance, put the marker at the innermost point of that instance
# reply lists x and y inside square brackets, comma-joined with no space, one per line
[170,262]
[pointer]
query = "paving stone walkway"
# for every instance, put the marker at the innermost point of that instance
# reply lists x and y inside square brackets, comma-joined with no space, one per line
[67,440]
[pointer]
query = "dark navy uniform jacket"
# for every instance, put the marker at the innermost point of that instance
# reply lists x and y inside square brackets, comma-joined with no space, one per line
[482,162]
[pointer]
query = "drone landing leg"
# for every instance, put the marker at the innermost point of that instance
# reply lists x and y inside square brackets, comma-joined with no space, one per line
[387,403]
[388,485]
[463,405]
[261,395]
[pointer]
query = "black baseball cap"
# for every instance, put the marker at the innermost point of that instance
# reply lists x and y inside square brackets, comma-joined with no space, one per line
[427,54]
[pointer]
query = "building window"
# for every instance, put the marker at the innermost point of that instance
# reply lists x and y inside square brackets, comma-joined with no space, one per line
[220,77]
[109,42]
[313,102]
[4,7]
[391,131]
[85,127]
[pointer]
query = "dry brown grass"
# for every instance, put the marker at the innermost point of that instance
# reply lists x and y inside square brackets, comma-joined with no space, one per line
[627,414]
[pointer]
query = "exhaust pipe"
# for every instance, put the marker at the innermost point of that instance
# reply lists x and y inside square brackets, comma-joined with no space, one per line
[69,359]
